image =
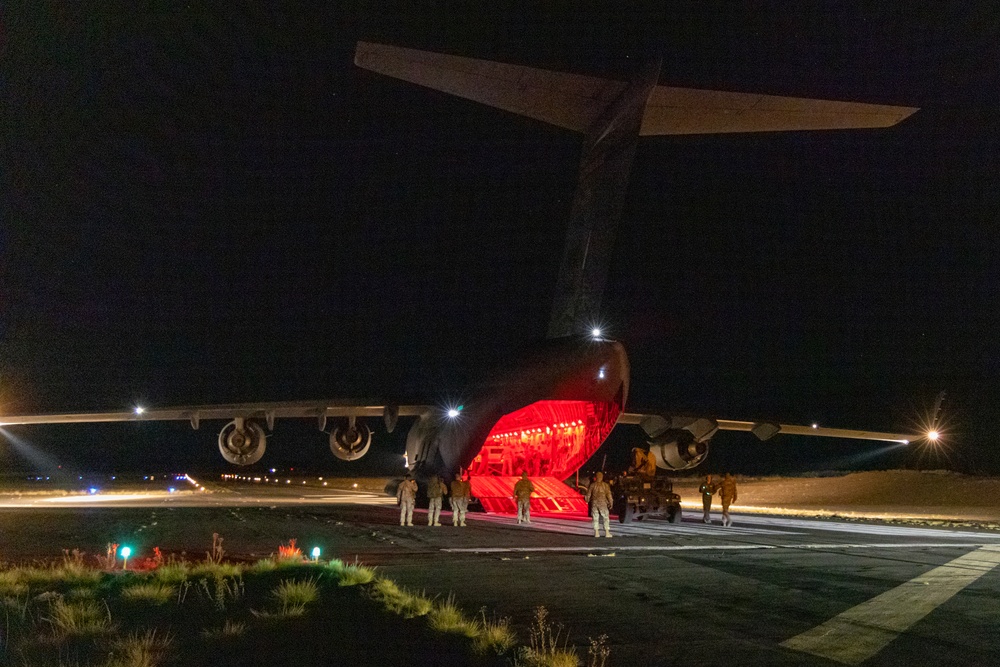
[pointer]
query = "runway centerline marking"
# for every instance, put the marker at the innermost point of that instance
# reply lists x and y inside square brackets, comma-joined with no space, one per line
[862,631]
[708,547]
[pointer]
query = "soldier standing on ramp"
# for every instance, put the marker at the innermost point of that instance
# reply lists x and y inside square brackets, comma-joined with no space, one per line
[522,492]
[706,490]
[435,493]
[728,493]
[461,491]
[599,497]
[406,495]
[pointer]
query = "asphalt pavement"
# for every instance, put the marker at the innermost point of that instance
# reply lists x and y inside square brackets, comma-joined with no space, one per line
[770,590]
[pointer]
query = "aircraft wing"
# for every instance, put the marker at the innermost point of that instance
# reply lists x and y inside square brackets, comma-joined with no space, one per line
[268,412]
[764,430]
[576,102]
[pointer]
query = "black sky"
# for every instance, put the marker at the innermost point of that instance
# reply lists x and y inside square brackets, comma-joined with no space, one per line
[216,205]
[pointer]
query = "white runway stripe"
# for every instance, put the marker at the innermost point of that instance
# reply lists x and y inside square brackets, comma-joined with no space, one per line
[643,529]
[604,547]
[866,529]
[862,631]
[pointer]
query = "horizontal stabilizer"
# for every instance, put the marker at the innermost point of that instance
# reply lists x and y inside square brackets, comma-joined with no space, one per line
[576,101]
[571,101]
[693,111]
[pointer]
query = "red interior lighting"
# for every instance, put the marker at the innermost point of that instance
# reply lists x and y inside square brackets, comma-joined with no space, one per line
[546,439]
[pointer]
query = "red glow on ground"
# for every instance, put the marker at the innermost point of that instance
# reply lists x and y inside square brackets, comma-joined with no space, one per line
[546,439]
[550,496]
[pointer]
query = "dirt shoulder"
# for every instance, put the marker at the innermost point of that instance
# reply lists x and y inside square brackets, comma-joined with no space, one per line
[894,495]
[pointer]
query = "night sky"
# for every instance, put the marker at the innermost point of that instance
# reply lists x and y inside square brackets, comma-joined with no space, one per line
[207,206]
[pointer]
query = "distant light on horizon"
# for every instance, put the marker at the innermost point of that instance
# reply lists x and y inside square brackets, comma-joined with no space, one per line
[815,425]
[139,409]
[933,436]
[595,332]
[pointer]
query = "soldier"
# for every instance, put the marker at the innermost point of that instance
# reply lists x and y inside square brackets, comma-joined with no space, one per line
[522,492]
[406,495]
[599,497]
[643,463]
[435,493]
[461,492]
[728,493]
[706,490]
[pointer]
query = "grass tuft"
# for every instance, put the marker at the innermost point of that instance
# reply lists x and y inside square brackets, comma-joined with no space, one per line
[263,565]
[172,573]
[291,593]
[544,649]
[447,617]
[216,570]
[557,658]
[495,636]
[81,594]
[152,592]
[140,650]
[78,619]
[11,583]
[355,575]
[229,630]
[399,600]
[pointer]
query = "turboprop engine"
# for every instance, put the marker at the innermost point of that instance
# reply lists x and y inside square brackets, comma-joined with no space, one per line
[242,442]
[679,443]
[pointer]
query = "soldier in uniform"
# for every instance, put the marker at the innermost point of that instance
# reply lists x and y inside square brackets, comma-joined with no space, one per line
[643,463]
[599,497]
[522,492]
[461,492]
[728,493]
[706,490]
[436,490]
[406,495]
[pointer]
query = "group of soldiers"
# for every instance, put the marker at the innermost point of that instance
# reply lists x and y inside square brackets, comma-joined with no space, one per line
[598,497]
[726,490]
[461,494]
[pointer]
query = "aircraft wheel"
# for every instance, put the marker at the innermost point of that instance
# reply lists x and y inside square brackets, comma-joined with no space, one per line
[674,515]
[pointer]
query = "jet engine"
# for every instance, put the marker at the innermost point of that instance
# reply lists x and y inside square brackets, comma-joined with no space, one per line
[351,442]
[677,450]
[679,443]
[242,442]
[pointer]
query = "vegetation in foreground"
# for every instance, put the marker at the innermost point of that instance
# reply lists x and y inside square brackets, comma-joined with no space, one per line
[276,611]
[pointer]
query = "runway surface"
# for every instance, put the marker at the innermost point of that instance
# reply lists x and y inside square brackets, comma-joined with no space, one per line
[769,590]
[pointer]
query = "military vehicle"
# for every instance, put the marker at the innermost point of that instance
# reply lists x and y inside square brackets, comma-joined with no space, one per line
[639,496]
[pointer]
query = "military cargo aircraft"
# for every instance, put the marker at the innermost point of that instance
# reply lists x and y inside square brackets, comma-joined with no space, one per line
[552,407]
